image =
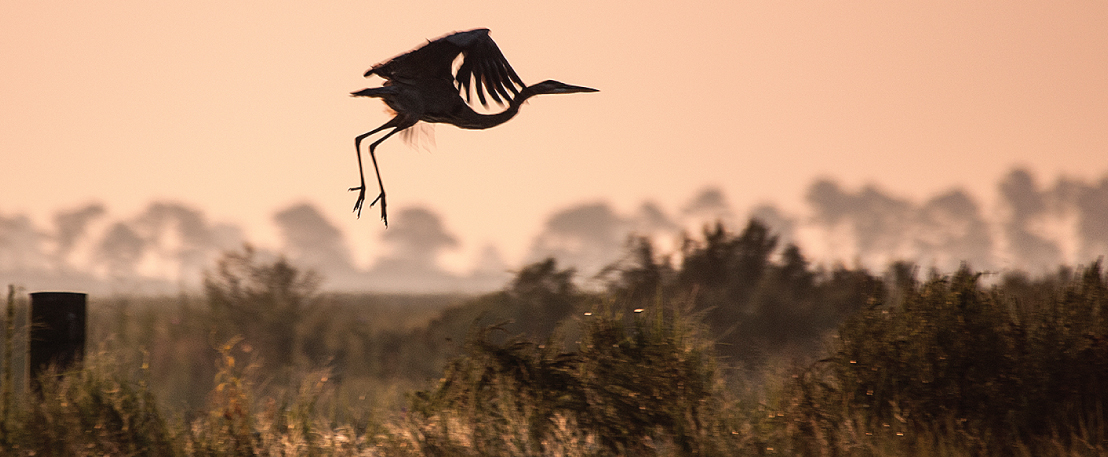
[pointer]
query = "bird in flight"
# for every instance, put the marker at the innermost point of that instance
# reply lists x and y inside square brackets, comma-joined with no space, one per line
[421,85]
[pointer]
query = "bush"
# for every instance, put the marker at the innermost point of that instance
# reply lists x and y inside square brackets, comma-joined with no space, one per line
[760,302]
[261,301]
[953,359]
[639,390]
[942,367]
[102,409]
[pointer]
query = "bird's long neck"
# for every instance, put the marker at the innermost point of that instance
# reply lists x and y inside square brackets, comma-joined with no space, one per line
[475,120]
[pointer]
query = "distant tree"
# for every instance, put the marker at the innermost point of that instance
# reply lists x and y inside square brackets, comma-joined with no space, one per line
[21,246]
[262,301]
[726,268]
[415,240]
[543,296]
[755,300]
[1026,205]
[644,278]
[709,205]
[534,303]
[311,240]
[879,225]
[181,238]
[587,236]
[121,249]
[722,273]
[70,227]
[651,218]
[777,221]
[1089,203]
[951,232]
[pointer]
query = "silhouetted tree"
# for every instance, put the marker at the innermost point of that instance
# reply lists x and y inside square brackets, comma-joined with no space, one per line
[1090,203]
[70,227]
[1026,204]
[777,221]
[182,239]
[261,301]
[587,236]
[879,225]
[650,218]
[709,205]
[415,240]
[21,245]
[726,268]
[952,231]
[311,240]
[120,250]
[644,279]
[543,296]
[723,272]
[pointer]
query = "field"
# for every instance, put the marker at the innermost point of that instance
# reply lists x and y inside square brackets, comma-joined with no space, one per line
[739,348]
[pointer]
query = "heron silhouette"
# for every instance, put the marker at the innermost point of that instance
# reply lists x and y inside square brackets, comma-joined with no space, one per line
[422,86]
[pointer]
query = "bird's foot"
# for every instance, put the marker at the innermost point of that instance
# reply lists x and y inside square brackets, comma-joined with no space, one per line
[361,199]
[384,216]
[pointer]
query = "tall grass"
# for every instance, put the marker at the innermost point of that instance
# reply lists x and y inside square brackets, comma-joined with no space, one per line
[8,365]
[639,386]
[946,366]
[953,365]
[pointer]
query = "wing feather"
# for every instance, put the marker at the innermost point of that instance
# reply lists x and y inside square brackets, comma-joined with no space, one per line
[484,67]
[492,81]
[506,82]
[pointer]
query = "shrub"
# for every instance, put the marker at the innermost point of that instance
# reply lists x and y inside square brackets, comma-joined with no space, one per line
[953,359]
[261,301]
[102,409]
[642,389]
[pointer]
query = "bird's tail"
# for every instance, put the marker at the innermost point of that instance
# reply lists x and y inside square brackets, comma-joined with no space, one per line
[375,92]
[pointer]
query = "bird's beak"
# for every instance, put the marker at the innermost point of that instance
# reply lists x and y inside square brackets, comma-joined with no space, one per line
[568,89]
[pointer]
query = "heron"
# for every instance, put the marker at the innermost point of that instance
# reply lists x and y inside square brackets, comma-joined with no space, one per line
[422,85]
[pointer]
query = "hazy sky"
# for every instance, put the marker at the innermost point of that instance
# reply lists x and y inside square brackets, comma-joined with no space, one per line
[241,108]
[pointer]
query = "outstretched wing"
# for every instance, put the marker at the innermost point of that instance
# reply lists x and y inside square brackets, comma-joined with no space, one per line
[486,68]
[428,62]
[483,66]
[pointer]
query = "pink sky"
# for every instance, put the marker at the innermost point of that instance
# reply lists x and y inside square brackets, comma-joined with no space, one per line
[242,109]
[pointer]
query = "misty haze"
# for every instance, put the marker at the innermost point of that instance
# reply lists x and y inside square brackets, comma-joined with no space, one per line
[812,229]
[165,248]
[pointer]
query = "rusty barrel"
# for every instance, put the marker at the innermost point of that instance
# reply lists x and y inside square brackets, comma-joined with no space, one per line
[57,330]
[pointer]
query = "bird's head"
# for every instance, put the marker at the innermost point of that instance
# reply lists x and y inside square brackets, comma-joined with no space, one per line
[551,86]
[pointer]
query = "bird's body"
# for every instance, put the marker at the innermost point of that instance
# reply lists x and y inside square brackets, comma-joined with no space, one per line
[421,86]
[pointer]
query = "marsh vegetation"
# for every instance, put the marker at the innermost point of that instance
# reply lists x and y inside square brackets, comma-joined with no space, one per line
[736,345]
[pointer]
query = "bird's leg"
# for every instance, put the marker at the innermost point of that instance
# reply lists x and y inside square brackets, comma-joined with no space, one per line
[377,170]
[358,148]
[380,185]
[361,188]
